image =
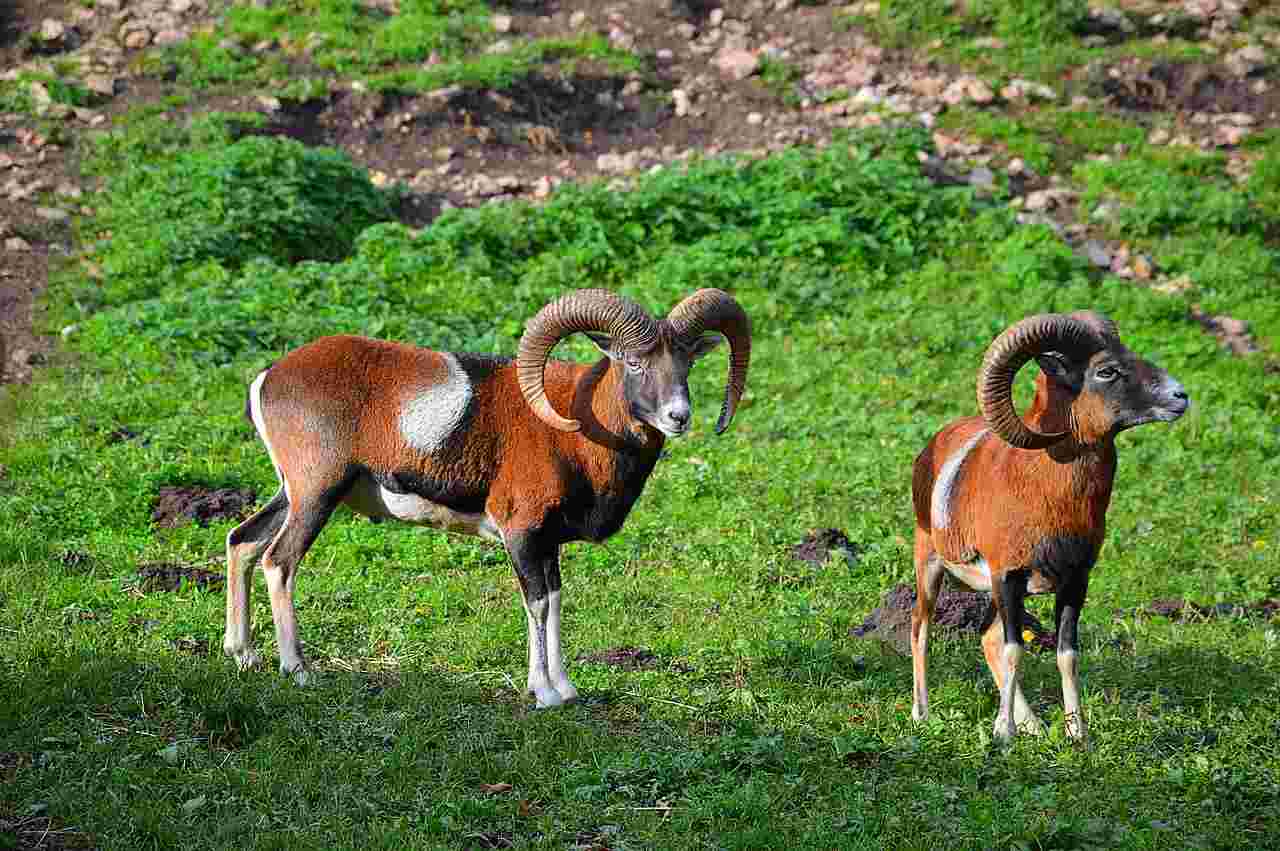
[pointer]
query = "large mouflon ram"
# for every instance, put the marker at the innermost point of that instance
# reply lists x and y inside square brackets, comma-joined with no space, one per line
[1019,508]
[475,444]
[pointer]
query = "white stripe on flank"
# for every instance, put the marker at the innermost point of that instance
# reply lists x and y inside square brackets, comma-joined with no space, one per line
[428,419]
[255,412]
[945,485]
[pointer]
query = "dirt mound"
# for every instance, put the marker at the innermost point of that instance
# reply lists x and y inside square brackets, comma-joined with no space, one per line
[626,658]
[1179,609]
[957,611]
[171,577]
[178,505]
[818,545]
[1195,87]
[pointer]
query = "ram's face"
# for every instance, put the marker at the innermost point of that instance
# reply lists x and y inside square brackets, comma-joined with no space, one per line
[1116,390]
[655,383]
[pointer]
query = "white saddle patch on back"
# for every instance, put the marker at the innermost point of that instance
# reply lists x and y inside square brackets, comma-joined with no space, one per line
[427,420]
[944,486]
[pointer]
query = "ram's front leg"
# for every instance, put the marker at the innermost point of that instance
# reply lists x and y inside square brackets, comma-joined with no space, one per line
[531,560]
[1070,599]
[555,651]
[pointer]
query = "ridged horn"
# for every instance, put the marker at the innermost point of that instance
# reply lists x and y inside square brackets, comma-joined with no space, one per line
[1035,335]
[581,310]
[716,310]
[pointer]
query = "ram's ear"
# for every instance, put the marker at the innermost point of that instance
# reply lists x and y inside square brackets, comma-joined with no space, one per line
[605,344]
[704,344]
[1059,368]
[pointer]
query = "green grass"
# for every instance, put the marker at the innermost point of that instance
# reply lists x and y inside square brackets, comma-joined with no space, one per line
[873,295]
[293,47]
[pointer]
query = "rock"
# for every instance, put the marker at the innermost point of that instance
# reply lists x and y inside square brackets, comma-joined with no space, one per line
[621,39]
[52,31]
[716,17]
[1159,136]
[134,37]
[180,7]
[270,103]
[501,23]
[1016,167]
[39,95]
[618,163]
[1142,267]
[682,102]
[970,88]
[686,31]
[982,178]
[502,45]
[1097,254]
[1038,201]
[577,19]
[980,93]
[861,74]
[169,36]
[101,84]
[1229,136]
[736,63]
[16,244]
[1246,60]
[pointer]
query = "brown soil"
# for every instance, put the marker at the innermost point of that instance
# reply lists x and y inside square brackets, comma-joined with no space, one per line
[956,611]
[173,577]
[1178,609]
[179,505]
[819,544]
[626,658]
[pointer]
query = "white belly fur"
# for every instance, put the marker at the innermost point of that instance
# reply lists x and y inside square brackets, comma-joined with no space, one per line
[975,575]
[371,499]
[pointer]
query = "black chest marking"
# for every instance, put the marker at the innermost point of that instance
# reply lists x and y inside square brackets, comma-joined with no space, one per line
[455,496]
[1061,557]
[596,515]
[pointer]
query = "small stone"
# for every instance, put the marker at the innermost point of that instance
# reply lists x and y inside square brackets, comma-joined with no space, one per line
[445,154]
[1142,267]
[577,19]
[270,103]
[52,31]
[136,39]
[101,84]
[52,214]
[1159,136]
[1097,254]
[979,92]
[501,23]
[1041,200]
[169,36]
[664,55]
[502,45]
[755,118]
[982,178]
[16,244]
[1246,60]
[180,7]
[1016,167]
[736,64]
[1229,136]
[682,102]
[716,17]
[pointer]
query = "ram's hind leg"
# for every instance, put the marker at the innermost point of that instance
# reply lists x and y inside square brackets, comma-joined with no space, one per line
[245,544]
[929,575]
[306,517]
[555,650]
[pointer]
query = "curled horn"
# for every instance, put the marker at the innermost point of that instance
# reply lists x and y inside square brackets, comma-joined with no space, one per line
[1018,344]
[583,310]
[715,310]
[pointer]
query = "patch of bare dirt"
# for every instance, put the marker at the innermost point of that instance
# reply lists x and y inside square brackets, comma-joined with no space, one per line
[171,577]
[1144,86]
[190,644]
[1178,609]
[819,545]
[624,658]
[956,611]
[182,504]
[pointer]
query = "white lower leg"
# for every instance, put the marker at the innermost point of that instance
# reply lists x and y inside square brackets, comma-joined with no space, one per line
[286,621]
[1068,666]
[1006,721]
[237,640]
[555,654]
[920,694]
[539,682]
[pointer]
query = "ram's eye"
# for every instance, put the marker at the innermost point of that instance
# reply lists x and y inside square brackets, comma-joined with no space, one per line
[1107,373]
